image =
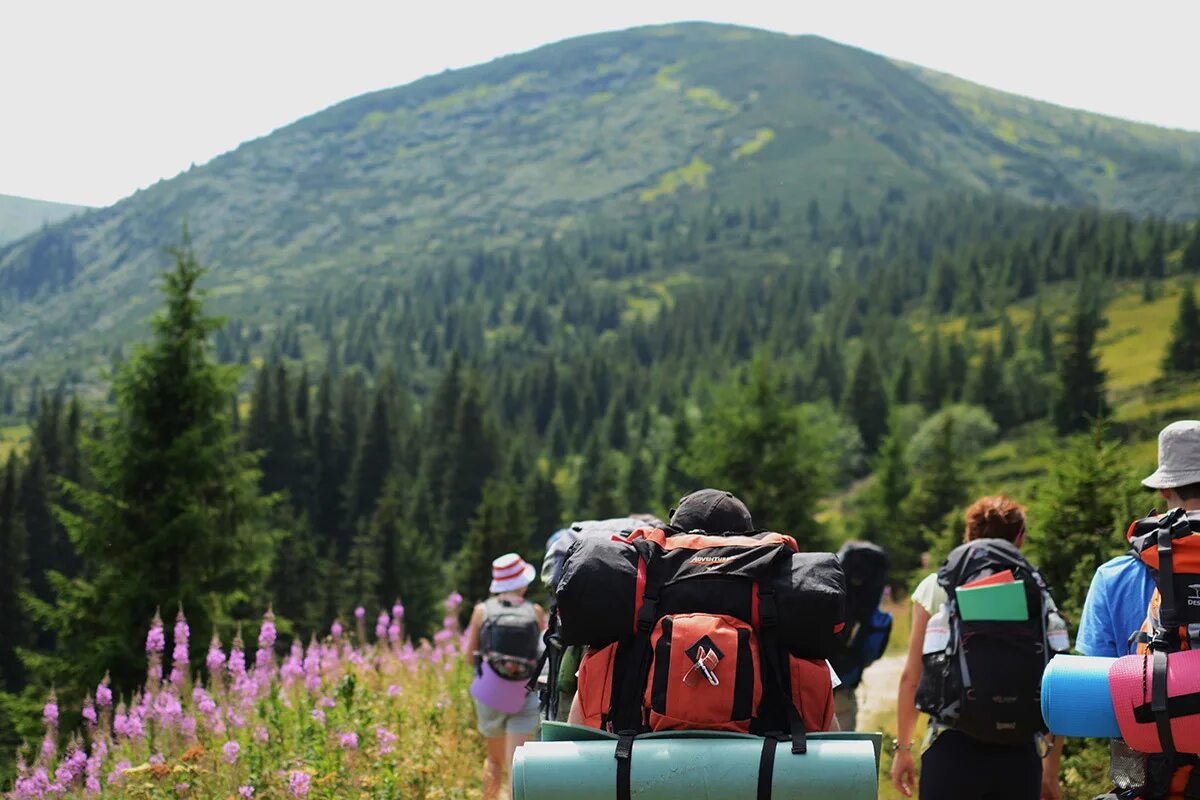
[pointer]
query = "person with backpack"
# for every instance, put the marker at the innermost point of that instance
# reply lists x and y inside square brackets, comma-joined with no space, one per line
[983,629]
[700,669]
[1121,588]
[868,627]
[505,635]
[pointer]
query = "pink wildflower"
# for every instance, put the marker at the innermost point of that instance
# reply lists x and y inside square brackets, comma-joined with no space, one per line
[385,739]
[50,711]
[359,613]
[216,656]
[104,695]
[454,601]
[381,625]
[230,751]
[398,610]
[349,740]
[246,792]
[298,783]
[335,630]
[156,640]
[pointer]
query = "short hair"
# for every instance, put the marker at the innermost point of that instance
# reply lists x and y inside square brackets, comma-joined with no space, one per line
[1189,492]
[995,517]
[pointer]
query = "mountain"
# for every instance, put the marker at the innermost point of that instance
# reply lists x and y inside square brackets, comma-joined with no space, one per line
[613,129]
[20,216]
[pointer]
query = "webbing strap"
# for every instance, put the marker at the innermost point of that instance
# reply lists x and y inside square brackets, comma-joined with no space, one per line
[766,767]
[779,669]
[624,756]
[1168,615]
[1158,702]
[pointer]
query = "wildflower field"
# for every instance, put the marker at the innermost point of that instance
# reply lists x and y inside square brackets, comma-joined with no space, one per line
[348,716]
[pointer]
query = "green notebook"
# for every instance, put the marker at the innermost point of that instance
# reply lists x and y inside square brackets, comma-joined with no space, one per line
[1000,601]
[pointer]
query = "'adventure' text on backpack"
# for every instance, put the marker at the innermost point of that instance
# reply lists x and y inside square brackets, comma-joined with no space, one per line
[508,638]
[987,681]
[868,628]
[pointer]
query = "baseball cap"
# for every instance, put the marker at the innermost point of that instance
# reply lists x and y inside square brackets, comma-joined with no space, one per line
[712,511]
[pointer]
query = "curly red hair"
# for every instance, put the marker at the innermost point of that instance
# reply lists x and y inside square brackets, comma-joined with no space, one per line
[995,517]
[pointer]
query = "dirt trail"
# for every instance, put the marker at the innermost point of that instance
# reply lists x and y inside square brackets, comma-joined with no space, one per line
[877,692]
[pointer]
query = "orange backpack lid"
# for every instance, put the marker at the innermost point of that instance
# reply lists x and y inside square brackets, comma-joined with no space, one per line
[700,541]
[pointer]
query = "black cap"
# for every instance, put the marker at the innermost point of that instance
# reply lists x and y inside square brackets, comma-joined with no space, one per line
[712,511]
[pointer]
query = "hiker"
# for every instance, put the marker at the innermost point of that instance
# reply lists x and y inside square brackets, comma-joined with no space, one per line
[504,634]
[1128,610]
[565,661]
[993,751]
[713,513]
[1121,588]
[868,627]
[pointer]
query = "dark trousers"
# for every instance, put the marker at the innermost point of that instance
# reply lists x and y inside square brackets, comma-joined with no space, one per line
[957,767]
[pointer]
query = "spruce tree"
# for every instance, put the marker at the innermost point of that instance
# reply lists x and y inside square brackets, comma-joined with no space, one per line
[14,630]
[865,402]
[1183,351]
[374,460]
[498,527]
[1086,501]
[752,443]
[933,375]
[639,485]
[544,507]
[474,457]
[410,564]
[939,485]
[1081,389]
[169,513]
[1191,251]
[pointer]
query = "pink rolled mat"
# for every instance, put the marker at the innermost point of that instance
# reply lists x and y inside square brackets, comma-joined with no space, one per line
[1129,674]
[507,697]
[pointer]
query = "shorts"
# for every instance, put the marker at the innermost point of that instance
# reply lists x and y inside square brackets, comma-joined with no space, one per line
[494,724]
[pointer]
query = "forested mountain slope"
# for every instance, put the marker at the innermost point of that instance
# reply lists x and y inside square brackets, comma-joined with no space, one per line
[616,130]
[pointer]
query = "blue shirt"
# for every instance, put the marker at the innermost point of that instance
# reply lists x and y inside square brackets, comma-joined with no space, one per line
[1115,607]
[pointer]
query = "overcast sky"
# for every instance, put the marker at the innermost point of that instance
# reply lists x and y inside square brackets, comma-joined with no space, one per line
[100,98]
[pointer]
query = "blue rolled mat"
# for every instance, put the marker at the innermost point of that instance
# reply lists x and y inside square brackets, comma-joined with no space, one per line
[1075,697]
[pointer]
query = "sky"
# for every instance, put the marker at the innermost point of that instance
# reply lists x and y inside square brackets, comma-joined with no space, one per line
[98,99]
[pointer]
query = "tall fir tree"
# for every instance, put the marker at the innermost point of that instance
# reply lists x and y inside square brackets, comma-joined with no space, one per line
[1081,397]
[170,513]
[410,563]
[865,402]
[14,629]
[1183,351]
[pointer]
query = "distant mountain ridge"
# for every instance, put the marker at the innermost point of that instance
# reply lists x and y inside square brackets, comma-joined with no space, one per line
[21,216]
[624,126]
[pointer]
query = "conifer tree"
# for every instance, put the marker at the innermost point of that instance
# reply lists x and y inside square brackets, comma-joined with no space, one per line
[498,527]
[753,444]
[474,457]
[882,519]
[939,485]
[639,489]
[1183,351]
[544,507]
[14,630]
[1086,502]
[170,513]
[328,458]
[1081,391]
[933,376]
[410,564]
[1191,251]
[865,402]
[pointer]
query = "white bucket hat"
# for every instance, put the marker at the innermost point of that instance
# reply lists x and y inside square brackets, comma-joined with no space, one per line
[511,572]
[1178,456]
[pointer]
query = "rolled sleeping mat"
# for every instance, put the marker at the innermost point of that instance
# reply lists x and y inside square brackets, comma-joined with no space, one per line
[1076,699]
[1131,681]
[685,767]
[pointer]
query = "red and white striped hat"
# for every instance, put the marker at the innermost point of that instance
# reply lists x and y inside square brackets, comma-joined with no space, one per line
[511,572]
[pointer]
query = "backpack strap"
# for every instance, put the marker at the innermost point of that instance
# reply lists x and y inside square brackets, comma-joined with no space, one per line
[626,700]
[1158,703]
[778,667]
[766,767]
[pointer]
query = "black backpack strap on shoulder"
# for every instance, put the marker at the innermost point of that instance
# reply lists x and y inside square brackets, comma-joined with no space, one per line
[778,667]
[1168,616]
[624,756]
[1158,702]
[766,767]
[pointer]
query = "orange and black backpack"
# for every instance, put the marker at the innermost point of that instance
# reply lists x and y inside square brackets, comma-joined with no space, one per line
[695,631]
[1170,546]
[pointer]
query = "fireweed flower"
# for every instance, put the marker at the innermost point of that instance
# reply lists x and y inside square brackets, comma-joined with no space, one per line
[156,640]
[381,625]
[261,735]
[386,739]
[230,751]
[120,768]
[246,792]
[335,630]
[216,656]
[454,601]
[359,613]
[104,696]
[298,783]
[50,711]
[398,610]
[349,740]
[394,632]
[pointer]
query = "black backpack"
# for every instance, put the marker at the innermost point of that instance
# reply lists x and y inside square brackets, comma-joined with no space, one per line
[987,681]
[867,628]
[508,638]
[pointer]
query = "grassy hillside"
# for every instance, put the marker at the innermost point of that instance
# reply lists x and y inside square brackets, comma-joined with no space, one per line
[625,127]
[20,216]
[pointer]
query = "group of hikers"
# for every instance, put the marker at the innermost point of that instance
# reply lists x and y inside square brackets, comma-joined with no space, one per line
[707,623]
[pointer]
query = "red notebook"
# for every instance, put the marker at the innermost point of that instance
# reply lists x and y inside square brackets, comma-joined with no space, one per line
[1000,577]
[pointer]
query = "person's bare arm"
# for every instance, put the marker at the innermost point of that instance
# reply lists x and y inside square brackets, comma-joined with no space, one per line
[904,764]
[473,629]
[1051,770]
[542,619]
